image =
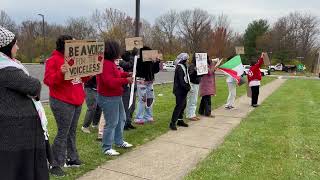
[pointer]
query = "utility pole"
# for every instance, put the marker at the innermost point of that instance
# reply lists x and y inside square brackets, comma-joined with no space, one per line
[137,33]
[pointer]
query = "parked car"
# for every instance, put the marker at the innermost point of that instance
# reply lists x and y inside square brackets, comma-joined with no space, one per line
[167,67]
[282,67]
[264,72]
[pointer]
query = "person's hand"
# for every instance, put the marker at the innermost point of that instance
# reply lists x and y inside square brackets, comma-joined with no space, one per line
[130,80]
[263,54]
[64,69]
[130,74]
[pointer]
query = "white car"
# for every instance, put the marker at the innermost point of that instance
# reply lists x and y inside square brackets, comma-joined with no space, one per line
[264,72]
[168,67]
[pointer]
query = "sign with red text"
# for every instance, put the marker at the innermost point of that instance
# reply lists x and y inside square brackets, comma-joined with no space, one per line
[83,58]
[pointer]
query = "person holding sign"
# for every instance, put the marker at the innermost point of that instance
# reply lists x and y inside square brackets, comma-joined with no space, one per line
[192,97]
[66,99]
[181,87]
[145,78]
[110,90]
[207,89]
[254,78]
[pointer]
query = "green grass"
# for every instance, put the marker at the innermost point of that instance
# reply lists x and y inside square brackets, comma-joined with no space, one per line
[282,73]
[90,150]
[279,140]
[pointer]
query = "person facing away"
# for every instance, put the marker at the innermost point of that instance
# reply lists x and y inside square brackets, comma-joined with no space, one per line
[181,87]
[110,90]
[207,89]
[146,71]
[254,78]
[232,88]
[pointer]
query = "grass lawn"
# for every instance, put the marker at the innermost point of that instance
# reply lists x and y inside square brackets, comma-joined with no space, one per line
[90,150]
[283,73]
[279,140]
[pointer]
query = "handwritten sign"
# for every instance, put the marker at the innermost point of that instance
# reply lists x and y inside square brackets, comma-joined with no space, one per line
[150,55]
[83,58]
[239,50]
[132,43]
[201,63]
[266,59]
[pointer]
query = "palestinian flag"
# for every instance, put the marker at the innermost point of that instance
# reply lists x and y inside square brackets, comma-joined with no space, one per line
[233,68]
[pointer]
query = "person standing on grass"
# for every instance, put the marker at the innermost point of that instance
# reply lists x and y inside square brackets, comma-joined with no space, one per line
[181,87]
[207,89]
[254,78]
[22,140]
[192,97]
[94,112]
[110,90]
[146,71]
[232,88]
[126,64]
[66,99]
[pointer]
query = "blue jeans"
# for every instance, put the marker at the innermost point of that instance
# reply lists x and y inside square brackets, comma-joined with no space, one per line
[115,117]
[145,101]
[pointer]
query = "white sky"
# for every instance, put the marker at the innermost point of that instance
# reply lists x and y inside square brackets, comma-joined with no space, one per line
[240,12]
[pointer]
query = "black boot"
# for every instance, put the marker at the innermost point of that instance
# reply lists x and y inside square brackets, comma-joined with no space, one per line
[182,123]
[126,128]
[173,127]
[131,127]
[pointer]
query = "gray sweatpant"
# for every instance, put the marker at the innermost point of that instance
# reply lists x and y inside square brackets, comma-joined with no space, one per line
[66,116]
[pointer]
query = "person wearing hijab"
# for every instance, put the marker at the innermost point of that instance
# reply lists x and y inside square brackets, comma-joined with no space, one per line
[22,119]
[181,87]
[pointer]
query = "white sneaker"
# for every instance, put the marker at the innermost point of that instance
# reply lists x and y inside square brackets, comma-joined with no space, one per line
[125,145]
[111,152]
[85,130]
[94,126]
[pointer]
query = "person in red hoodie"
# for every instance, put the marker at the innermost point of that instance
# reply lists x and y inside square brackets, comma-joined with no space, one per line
[254,78]
[110,90]
[66,99]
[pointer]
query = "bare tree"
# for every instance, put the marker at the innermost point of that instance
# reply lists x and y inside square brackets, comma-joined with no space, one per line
[80,28]
[7,22]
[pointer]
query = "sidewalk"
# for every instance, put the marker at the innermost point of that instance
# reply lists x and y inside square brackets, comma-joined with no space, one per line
[174,154]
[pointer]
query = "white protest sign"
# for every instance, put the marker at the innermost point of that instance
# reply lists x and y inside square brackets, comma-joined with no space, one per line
[83,58]
[132,43]
[201,63]
[134,81]
[239,50]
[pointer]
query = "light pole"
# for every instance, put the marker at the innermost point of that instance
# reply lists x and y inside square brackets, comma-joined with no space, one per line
[137,17]
[44,37]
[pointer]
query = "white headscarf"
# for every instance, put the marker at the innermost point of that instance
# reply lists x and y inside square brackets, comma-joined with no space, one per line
[181,57]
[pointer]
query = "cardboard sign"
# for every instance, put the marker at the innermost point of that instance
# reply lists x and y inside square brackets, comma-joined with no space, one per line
[134,81]
[201,63]
[266,59]
[239,50]
[150,55]
[83,58]
[160,56]
[132,43]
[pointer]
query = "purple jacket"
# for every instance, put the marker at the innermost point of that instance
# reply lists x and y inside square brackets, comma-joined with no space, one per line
[208,84]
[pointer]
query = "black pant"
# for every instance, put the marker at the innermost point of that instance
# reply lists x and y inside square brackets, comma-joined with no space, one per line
[205,106]
[181,102]
[255,95]
[125,100]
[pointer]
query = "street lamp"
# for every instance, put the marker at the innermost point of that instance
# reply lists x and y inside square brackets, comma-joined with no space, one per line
[44,37]
[137,17]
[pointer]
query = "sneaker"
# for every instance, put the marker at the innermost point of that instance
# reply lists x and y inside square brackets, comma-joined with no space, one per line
[75,163]
[197,118]
[125,145]
[173,127]
[99,138]
[85,130]
[139,121]
[194,119]
[182,123]
[131,127]
[111,152]
[150,120]
[94,126]
[57,171]
[255,105]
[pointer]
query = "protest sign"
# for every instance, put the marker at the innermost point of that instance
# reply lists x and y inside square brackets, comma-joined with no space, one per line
[83,58]
[266,59]
[132,43]
[150,55]
[239,50]
[134,81]
[201,63]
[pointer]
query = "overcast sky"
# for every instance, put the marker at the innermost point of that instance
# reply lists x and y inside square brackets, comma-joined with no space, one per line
[240,12]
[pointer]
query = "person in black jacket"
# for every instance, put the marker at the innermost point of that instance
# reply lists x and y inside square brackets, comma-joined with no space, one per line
[94,112]
[127,64]
[181,88]
[145,78]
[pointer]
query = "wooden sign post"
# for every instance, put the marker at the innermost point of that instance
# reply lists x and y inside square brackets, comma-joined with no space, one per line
[83,58]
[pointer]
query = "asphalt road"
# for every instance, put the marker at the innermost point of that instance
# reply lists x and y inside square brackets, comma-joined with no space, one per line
[37,71]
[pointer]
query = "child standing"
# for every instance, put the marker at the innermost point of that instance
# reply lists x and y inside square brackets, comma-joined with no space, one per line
[207,89]
[181,88]
[254,77]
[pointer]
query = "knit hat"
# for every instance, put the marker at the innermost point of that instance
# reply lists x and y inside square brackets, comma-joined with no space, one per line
[6,37]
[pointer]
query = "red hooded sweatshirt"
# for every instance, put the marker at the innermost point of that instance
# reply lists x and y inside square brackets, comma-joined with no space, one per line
[254,71]
[68,91]
[111,80]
